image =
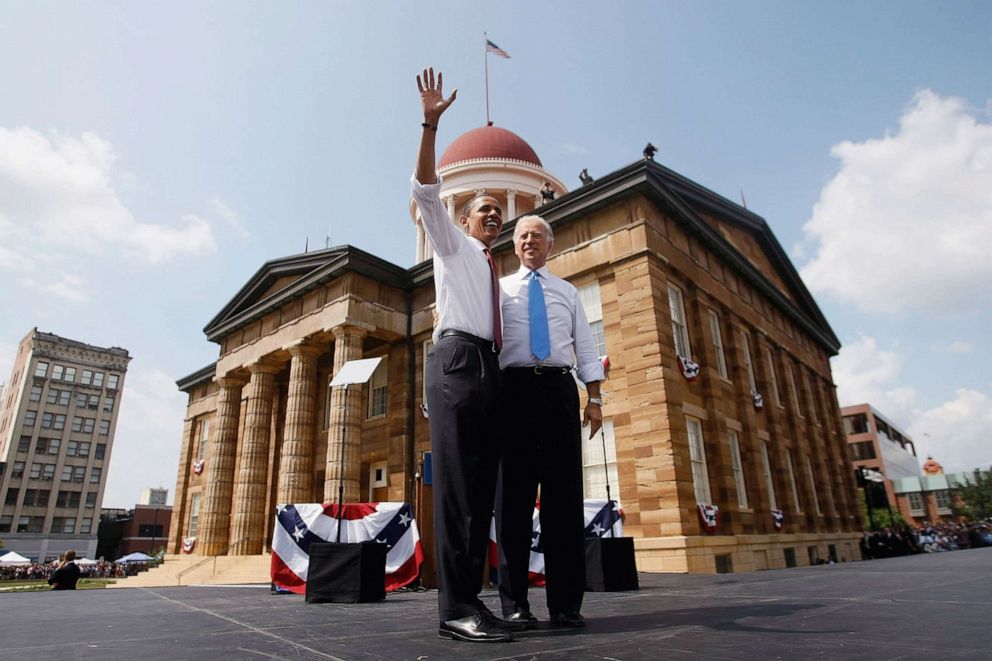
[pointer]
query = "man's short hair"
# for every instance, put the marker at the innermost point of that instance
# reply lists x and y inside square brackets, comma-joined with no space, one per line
[547,228]
[70,555]
[467,209]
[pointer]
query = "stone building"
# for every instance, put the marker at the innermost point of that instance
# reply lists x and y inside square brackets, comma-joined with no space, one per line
[57,424]
[672,277]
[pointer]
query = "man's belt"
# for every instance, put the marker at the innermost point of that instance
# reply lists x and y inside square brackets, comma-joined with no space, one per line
[485,344]
[538,370]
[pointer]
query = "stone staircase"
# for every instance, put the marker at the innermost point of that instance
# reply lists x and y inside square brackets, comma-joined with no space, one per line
[201,570]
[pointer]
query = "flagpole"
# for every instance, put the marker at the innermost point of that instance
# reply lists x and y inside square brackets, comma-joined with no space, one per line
[485,59]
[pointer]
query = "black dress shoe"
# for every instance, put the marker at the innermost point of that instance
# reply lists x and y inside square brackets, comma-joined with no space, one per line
[568,620]
[521,619]
[479,628]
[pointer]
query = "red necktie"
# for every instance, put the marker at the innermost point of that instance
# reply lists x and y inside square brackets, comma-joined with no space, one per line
[497,326]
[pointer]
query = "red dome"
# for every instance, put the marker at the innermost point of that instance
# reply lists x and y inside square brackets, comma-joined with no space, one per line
[488,142]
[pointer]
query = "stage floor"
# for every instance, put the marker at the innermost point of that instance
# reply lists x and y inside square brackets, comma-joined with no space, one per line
[922,607]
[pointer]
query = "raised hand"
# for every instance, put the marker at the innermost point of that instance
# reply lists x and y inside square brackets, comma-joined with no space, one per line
[431,98]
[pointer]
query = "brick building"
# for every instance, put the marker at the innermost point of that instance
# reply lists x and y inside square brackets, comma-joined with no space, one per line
[671,275]
[57,423]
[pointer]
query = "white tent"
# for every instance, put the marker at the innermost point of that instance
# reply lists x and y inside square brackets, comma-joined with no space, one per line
[137,556]
[84,562]
[13,559]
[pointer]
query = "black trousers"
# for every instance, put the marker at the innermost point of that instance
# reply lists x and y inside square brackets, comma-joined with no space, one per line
[543,445]
[463,386]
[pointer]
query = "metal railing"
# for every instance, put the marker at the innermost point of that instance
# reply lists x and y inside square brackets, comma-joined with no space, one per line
[213,558]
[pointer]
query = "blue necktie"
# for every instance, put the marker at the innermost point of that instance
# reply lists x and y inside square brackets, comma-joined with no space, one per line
[540,343]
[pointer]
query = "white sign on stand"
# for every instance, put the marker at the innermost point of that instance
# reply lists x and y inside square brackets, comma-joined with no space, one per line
[356,371]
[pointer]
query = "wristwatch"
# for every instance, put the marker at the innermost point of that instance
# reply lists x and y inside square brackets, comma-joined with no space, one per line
[598,401]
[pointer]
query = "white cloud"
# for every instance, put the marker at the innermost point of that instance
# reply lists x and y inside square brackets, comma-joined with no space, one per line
[957,432]
[148,437]
[958,346]
[230,217]
[907,221]
[68,287]
[867,374]
[58,198]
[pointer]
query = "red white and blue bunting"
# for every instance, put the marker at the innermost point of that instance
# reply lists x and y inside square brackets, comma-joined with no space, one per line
[299,526]
[198,466]
[188,544]
[600,516]
[690,369]
[709,517]
[759,401]
[778,518]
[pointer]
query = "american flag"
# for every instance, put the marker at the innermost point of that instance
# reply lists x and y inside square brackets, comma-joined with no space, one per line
[600,516]
[298,526]
[493,48]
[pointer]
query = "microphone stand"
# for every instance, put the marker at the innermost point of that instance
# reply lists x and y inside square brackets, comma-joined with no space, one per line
[344,437]
[606,472]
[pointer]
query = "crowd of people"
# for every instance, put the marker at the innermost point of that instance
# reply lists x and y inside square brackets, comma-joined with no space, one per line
[44,571]
[928,538]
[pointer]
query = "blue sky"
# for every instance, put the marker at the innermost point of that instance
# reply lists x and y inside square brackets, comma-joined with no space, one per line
[194,141]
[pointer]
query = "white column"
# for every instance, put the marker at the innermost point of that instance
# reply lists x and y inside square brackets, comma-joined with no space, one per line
[421,241]
[449,201]
[511,203]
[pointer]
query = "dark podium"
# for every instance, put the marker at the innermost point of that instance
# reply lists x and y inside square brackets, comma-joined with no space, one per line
[346,573]
[610,565]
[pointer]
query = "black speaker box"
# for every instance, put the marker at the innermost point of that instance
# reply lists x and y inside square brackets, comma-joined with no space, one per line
[610,565]
[346,573]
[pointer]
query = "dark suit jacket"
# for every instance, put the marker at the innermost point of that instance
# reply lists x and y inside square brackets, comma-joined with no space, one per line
[65,578]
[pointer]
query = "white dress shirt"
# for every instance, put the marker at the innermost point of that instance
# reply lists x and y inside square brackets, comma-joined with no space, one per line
[571,338]
[462,278]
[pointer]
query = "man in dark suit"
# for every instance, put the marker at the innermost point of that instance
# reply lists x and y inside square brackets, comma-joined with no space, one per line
[67,575]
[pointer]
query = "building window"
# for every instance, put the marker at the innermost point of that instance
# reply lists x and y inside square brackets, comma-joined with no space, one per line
[87,377]
[78,473]
[93,402]
[194,514]
[6,521]
[379,389]
[84,449]
[17,470]
[57,372]
[856,424]
[95,474]
[91,499]
[697,456]
[98,379]
[36,497]
[680,329]
[30,417]
[53,395]
[592,305]
[35,395]
[112,381]
[812,400]
[790,375]
[108,403]
[70,375]
[738,468]
[35,471]
[67,499]
[594,468]
[812,485]
[24,444]
[721,358]
[49,472]
[77,424]
[378,474]
[88,425]
[11,497]
[71,448]
[64,397]
[748,365]
[101,450]
[86,526]
[47,420]
[150,530]
[943,499]
[792,481]
[66,473]
[862,451]
[201,450]
[766,469]
[41,370]
[59,422]
[915,503]
[769,356]
[104,427]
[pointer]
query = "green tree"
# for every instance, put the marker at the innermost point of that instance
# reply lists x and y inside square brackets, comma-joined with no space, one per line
[880,517]
[975,496]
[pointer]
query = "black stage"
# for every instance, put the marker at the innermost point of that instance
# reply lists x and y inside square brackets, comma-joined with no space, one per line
[935,606]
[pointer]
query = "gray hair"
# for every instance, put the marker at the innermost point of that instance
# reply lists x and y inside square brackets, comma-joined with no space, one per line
[547,228]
